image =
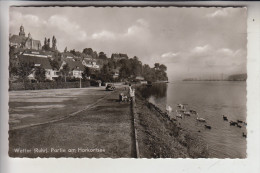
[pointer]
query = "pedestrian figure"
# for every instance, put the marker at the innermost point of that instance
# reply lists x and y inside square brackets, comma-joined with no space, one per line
[131,93]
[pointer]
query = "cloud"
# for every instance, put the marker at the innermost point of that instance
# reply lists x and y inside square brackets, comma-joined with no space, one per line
[16,17]
[64,24]
[226,52]
[143,22]
[103,35]
[169,55]
[201,49]
[139,28]
[218,13]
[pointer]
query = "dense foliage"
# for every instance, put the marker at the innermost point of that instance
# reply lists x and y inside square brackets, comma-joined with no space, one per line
[128,70]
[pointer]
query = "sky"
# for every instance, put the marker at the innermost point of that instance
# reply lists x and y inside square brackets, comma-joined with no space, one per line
[191,42]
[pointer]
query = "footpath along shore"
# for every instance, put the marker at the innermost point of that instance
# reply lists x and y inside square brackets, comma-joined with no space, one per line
[104,129]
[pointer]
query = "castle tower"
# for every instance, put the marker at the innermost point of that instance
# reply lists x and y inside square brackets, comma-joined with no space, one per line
[22,33]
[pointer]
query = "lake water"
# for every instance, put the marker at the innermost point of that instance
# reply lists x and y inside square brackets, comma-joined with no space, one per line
[211,100]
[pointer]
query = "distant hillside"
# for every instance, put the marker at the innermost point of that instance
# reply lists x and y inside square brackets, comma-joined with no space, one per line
[238,77]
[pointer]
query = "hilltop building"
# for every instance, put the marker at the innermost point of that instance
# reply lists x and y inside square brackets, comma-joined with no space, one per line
[21,41]
[118,56]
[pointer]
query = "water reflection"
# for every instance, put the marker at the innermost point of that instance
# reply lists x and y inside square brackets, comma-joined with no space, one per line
[158,90]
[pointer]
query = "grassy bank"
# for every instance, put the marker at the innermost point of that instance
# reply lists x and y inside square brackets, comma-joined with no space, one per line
[102,130]
[160,137]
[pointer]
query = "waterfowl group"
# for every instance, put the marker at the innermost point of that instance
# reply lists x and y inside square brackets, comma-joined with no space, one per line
[183,112]
[237,123]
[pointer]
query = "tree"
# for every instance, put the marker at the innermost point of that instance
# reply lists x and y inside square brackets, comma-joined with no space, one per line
[65,71]
[46,45]
[54,64]
[106,73]
[24,70]
[40,74]
[87,72]
[102,55]
[88,51]
[125,71]
[12,69]
[156,65]
[95,55]
[136,66]
[162,67]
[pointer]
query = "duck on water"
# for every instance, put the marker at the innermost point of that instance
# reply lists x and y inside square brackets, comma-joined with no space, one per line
[200,119]
[225,118]
[207,126]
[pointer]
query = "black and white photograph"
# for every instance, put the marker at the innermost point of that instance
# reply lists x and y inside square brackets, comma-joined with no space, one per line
[128,82]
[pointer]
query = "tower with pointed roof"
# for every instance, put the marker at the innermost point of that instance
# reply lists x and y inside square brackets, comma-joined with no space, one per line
[22,33]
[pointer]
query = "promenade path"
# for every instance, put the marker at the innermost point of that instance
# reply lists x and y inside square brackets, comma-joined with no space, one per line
[88,122]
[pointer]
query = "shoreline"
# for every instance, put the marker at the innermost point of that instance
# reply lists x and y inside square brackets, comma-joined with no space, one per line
[160,137]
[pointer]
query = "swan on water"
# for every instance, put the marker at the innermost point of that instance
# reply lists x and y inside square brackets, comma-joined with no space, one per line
[168,109]
[187,113]
[200,119]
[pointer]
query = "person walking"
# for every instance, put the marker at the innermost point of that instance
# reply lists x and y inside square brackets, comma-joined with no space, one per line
[131,93]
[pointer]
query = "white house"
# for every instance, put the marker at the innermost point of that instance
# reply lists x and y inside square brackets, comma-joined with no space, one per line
[90,63]
[76,68]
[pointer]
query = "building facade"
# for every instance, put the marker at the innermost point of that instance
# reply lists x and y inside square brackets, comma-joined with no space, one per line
[21,41]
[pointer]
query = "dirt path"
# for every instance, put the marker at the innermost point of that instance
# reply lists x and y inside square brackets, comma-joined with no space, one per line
[103,130]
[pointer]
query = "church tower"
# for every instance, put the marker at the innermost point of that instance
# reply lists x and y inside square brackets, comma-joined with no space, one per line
[22,33]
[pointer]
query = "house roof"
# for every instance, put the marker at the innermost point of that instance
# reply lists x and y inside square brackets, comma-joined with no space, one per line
[17,39]
[75,65]
[44,62]
[37,52]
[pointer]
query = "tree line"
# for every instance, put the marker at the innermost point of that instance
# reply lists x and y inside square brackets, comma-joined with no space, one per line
[128,70]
